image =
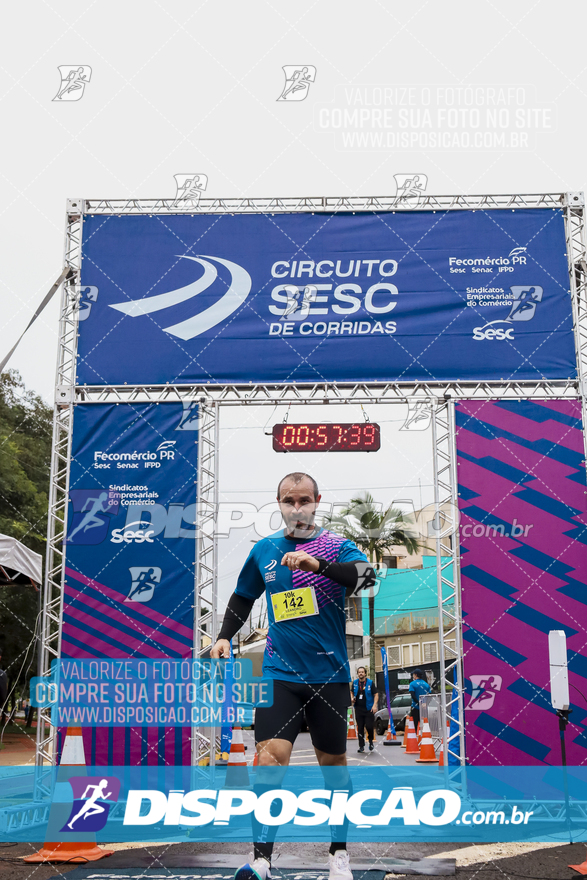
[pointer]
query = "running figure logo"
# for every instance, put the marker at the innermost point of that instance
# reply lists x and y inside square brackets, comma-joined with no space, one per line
[189,188]
[190,418]
[525,300]
[88,294]
[299,302]
[485,687]
[419,416]
[74,79]
[90,805]
[92,509]
[297,82]
[410,187]
[144,581]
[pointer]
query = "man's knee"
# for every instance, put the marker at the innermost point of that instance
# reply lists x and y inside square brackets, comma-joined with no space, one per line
[274,752]
[326,760]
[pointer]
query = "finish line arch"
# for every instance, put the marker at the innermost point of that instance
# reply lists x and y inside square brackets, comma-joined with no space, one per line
[558,380]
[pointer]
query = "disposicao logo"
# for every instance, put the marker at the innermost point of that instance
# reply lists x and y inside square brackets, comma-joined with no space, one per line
[93,797]
[437,807]
[239,289]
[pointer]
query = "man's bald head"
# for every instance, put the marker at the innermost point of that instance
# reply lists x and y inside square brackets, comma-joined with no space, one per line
[296,478]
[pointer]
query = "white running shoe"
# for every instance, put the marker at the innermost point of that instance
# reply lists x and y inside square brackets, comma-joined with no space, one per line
[340,868]
[259,869]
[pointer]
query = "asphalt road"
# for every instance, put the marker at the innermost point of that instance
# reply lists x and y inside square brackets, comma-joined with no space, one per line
[303,752]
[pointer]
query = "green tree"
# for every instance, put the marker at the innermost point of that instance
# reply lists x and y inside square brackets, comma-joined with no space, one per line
[374,531]
[25,452]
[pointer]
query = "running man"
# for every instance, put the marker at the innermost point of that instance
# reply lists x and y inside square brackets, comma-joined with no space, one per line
[304,571]
[91,808]
[418,687]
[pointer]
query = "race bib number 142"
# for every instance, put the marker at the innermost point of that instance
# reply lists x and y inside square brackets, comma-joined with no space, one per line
[294,603]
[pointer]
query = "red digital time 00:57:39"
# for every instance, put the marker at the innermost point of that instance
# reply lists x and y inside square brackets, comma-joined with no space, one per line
[357,437]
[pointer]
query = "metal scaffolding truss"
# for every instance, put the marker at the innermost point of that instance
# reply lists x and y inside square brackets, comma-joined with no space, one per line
[440,395]
[206,582]
[52,616]
[577,256]
[446,522]
[324,393]
[328,204]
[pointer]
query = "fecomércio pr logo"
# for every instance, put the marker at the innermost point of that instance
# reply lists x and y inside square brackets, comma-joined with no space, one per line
[92,798]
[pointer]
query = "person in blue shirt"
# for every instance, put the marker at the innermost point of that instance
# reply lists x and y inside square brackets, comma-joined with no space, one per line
[365,700]
[305,572]
[418,687]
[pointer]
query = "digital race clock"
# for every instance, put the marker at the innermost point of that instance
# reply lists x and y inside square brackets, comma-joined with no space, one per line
[359,437]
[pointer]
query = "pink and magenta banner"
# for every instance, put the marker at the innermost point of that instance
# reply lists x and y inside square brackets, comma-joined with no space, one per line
[523,516]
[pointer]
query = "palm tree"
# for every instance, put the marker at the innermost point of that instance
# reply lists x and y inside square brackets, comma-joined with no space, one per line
[373,530]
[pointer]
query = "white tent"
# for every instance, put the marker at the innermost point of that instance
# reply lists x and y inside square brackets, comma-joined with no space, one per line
[20,564]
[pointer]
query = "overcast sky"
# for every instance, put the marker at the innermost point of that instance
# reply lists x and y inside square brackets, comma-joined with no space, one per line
[186,87]
[193,87]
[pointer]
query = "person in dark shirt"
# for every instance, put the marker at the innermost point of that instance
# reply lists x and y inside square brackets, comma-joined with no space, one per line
[418,687]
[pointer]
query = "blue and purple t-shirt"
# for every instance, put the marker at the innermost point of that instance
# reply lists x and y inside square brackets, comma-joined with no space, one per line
[307,649]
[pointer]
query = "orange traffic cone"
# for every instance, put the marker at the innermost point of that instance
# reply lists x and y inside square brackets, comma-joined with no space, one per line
[419,733]
[237,774]
[391,738]
[412,743]
[441,753]
[351,732]
[582,868]
[427,753]
[74,851]
[256,759]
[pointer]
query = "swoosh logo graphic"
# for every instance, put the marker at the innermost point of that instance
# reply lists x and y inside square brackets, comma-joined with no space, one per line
[236,294]
[137,307]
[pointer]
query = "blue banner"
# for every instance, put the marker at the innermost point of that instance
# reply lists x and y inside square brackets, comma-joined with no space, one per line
[376,804]
[438,295]
[130,548]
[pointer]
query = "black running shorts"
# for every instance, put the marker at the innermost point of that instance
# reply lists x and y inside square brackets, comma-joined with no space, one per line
[325,707]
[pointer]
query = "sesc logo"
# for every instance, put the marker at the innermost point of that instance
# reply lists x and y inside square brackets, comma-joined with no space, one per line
[487,332]
[128,535]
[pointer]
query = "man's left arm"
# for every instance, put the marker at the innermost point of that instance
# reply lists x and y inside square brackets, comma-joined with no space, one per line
[354,575]
[351,569]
